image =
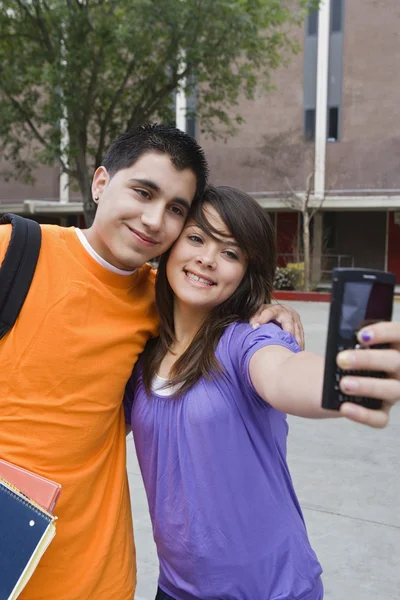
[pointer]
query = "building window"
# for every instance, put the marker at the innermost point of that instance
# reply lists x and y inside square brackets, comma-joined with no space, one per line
[333,124]
[191,126]
[312,22]
[309,124]
[336,16]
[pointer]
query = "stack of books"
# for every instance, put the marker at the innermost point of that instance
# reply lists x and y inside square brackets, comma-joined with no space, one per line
[27,525]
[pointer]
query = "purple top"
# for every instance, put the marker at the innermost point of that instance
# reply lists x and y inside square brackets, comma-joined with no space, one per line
[226,520]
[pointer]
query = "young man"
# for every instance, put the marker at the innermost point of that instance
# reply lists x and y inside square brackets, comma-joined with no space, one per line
[64,365]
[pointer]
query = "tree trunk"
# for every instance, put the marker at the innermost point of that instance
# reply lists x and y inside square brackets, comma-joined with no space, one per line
[84,181]
[89,209]
[306,245]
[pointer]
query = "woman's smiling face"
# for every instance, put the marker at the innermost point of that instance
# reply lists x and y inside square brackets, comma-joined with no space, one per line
[203,270]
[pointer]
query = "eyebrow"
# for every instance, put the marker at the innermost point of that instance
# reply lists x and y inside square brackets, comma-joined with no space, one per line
[156,188]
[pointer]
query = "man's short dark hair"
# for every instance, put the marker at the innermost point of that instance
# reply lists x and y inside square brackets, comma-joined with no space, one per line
[183,150]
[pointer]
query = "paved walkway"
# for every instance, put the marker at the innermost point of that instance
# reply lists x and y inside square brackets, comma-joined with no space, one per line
[347,478]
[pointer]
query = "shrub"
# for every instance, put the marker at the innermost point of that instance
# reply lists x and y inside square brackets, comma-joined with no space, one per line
[287,278]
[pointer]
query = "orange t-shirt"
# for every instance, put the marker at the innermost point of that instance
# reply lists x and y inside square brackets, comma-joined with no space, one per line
[63,370]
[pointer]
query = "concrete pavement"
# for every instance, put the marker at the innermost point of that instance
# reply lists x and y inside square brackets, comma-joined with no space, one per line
[347,478]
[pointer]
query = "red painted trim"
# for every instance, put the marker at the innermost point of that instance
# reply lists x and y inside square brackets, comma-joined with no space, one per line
[302,296]
[309,296]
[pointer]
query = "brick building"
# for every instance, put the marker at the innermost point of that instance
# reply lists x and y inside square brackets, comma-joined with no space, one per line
[284,138]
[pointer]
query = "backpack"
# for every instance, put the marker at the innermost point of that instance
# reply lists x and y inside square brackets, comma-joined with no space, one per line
[17,268]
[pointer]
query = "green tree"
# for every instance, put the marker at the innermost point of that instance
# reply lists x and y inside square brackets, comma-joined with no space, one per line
[112,64]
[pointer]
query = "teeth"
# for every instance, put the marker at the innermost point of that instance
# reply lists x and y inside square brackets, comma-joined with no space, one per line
[200,279]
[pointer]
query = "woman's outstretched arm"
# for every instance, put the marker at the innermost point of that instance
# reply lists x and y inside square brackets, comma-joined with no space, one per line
[292,383]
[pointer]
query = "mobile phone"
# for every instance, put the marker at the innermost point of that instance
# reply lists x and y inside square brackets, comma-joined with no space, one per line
[359,297]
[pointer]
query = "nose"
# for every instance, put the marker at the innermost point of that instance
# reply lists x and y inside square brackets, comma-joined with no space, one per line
[153,217]
[207,259]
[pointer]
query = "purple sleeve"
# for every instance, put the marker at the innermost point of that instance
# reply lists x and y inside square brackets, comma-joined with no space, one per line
[245,341]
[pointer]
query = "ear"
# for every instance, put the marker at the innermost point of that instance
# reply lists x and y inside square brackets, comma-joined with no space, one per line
[100,181]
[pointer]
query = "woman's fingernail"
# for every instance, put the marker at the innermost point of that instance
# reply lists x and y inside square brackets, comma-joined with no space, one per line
[255,325]
[345,359]
[365,335]
[349,385]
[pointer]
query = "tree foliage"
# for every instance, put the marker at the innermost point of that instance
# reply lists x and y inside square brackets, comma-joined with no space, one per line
[112,64]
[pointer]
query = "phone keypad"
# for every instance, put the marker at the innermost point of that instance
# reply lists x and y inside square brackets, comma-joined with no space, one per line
[365,401]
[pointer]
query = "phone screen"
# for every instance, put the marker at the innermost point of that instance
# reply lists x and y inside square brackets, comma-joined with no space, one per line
[364,302]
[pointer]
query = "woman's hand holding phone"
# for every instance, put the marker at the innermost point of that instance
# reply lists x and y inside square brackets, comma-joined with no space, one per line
[386,360]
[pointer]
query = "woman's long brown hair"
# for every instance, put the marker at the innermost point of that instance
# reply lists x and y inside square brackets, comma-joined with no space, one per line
[252,230]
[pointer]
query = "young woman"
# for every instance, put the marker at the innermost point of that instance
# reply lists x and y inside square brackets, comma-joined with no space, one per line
[208,405]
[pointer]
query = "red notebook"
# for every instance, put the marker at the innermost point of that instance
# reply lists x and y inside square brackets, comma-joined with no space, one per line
[41,490]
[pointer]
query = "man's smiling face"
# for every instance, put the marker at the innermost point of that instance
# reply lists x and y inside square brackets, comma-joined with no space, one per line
[141,210]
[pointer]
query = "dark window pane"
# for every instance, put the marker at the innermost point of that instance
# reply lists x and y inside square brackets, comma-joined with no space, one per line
[333,124]
[329,224]
[309,124]
[312,22]
[191,126]
[336,15]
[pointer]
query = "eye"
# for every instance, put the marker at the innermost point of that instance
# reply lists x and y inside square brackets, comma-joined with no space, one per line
[231,254]
[196,239]
[178,210]
[144,193]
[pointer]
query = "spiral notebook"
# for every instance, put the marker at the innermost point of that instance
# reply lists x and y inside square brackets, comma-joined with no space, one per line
[26,530]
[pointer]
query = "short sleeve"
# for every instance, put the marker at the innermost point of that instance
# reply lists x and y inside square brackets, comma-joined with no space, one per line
[244,342]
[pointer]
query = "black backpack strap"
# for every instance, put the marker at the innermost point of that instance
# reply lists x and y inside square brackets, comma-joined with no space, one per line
[18,267]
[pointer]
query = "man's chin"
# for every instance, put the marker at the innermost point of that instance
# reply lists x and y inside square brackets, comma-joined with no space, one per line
[131,262]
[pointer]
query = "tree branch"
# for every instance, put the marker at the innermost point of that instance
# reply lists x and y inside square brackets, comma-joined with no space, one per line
[159,98]
[17,36]
[291,203]
[26,118]
[31,125]
[293,191]
[309,179]
[149,86]
[142,114]
[23,6]
[92,83]
[42,26]
[109,112]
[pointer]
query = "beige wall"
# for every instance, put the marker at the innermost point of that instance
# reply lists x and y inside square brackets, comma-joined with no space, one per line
[269,145]
[45,187]
[270,138]
[368,155]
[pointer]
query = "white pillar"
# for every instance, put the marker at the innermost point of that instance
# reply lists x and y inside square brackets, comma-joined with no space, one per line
[181,100]
[64,140]
[64,143]
[181,110]
[321,116]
